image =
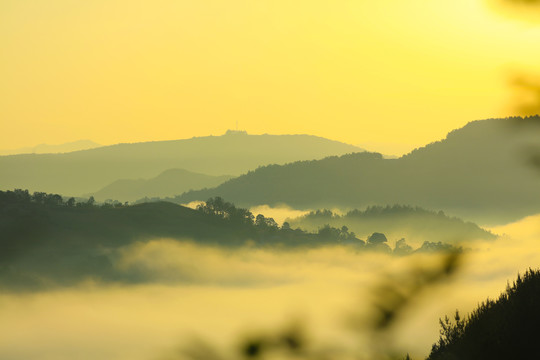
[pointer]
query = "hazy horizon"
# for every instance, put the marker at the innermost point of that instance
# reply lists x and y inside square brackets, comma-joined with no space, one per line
[269,180]
[386,148]
[306,67]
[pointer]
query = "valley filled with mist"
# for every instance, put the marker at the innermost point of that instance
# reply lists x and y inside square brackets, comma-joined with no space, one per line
[269,180]
[153,269]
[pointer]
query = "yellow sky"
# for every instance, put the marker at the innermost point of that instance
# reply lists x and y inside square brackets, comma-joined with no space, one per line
[386,71]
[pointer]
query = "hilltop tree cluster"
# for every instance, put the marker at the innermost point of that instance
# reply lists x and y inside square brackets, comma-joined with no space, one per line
[19,196]
[30,210]
[217,207]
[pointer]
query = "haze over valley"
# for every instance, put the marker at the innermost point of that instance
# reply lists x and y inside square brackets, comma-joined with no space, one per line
[269,180]
[134,237]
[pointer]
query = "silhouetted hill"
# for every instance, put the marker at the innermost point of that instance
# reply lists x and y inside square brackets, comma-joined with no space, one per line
[478,172]
[83,172]
[168,183]
[503,329]
[414,224]
[47,240]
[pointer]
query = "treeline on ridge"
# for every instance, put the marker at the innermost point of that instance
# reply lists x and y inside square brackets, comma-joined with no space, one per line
[45,236]
[414,223]
[19,207]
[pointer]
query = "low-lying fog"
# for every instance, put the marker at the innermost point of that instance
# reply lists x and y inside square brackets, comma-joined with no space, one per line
[217,296]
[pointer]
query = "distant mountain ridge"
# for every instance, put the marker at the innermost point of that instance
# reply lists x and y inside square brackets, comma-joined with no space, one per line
[479,172]
[50,149]
[168,183]
[414,224]
[87,171]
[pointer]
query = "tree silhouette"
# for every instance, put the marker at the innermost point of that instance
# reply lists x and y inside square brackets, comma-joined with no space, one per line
[506,328]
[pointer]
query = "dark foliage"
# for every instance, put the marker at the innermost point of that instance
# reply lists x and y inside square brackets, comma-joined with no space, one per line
[45,239]
[399,221]
[506,328]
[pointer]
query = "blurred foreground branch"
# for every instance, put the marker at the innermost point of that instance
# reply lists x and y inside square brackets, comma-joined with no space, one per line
[527,94]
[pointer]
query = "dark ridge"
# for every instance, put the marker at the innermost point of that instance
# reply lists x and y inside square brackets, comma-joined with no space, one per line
[480,172]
